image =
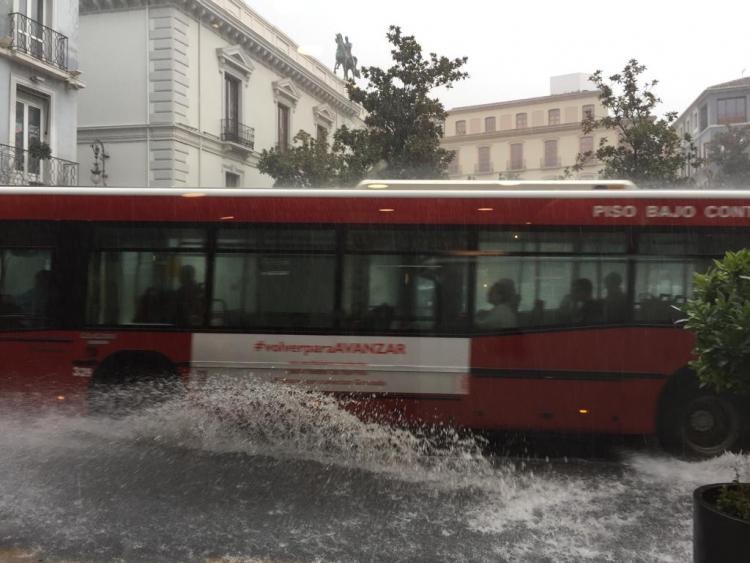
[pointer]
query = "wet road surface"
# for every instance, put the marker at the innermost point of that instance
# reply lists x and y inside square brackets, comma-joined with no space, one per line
[304,481]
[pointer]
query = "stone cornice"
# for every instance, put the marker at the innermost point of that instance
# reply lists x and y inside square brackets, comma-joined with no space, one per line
[511,133]
[326,87]
[142,132]
[583,94]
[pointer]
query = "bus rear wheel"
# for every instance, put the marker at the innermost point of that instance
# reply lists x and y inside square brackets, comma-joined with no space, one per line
[130,382]
[703,426]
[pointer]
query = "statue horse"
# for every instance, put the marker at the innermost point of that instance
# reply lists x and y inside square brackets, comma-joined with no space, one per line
[345,59]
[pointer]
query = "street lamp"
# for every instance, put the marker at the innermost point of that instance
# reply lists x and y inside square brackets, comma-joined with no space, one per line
[99,173]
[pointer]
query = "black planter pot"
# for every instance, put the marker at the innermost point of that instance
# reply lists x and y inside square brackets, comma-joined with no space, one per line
[717,537]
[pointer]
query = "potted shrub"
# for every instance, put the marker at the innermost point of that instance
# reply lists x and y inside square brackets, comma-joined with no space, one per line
[39,150]
[719,316]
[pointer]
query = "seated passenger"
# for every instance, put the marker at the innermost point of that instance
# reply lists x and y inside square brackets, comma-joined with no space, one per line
[616,301]
[504,300]
[188,299]
[580,307]
[151,307]
[380,317]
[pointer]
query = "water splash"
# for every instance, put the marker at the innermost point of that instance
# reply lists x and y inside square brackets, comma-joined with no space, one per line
[442,497]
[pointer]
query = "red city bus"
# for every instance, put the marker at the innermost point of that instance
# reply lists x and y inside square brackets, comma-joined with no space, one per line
[488,305]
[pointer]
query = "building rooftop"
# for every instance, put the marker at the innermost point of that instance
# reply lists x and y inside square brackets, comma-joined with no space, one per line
[739,83]
[526,101]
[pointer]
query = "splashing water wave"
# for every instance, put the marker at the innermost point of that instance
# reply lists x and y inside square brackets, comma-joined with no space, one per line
[635,510]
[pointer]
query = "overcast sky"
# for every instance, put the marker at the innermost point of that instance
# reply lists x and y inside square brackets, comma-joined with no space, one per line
[514,47]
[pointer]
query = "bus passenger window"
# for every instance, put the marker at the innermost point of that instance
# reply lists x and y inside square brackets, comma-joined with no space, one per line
[402,292]
[272,290]
[534,291]
[143,287]
[28,293]
[662,285]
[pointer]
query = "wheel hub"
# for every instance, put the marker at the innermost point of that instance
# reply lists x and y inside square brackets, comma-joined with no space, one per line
[702,421]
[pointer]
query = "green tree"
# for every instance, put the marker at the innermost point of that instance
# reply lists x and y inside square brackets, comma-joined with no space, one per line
[307,163]
[719,315]
[729,157]
[403,126]
[645,148]
[404,122]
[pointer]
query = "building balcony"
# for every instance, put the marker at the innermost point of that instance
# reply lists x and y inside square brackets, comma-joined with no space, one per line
[519,164]
[19,168]
[38,41]
[238,134]
[484,168]
[545,163]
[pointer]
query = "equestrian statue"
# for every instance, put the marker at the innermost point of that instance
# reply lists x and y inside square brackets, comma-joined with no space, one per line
[344,57]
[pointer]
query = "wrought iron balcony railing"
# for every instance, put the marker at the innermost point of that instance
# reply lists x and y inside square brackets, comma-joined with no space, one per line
[233,131]
[515,164]
[19,168]
[39,41]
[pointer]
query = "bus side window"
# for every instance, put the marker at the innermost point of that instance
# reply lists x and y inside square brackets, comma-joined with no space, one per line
[403,292]
[535,279]
[29,294]
[667,263]
[147,274]
[145,287]
[274,277]
[662,286]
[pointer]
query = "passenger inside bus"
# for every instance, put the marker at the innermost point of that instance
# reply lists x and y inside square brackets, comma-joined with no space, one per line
[504,300]
[579,306]
[188,299]
[379,318]
[616,301]
[151,307]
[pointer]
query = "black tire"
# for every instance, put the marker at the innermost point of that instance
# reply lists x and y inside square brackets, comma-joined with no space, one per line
[129,382]
[702,424]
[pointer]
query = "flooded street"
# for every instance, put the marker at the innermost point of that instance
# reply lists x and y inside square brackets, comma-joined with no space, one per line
[301,480]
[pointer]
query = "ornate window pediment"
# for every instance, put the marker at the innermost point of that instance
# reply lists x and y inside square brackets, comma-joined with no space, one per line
[286,92]
[324,115]
[233,59]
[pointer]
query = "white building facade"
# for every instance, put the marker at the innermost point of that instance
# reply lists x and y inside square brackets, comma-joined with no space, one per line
[187,93]
[39,87]
[718,106]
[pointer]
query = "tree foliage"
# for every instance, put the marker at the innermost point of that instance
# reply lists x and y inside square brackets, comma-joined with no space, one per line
[729,157]
[404,123]
[645,148]
[719,315]
[307,163]
[403,126]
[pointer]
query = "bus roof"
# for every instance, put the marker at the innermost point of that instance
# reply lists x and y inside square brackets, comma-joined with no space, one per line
[406,189]
[571,207]
[512,185]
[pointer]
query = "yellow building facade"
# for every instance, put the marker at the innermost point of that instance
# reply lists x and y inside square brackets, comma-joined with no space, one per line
[529,139]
